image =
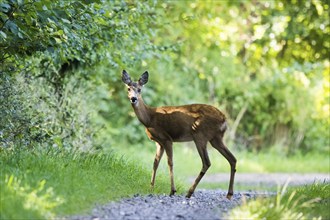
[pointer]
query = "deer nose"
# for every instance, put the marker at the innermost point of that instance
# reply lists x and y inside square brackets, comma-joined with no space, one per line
[133,99]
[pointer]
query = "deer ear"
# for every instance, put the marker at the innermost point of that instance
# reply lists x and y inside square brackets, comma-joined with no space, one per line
[144,78]
[126,78]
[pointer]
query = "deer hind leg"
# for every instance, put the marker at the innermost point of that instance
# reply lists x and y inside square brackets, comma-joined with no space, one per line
[201,147]
[158,157]
[218,144]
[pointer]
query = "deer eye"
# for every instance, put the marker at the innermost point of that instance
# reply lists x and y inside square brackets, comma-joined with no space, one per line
[129,89]
[139,90]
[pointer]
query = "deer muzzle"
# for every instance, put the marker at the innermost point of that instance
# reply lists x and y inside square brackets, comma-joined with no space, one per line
[133,100]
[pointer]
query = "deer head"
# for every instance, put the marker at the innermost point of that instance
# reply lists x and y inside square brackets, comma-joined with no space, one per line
[134,88]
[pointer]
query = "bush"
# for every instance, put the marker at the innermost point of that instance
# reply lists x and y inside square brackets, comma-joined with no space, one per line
[47,66]
[33,116]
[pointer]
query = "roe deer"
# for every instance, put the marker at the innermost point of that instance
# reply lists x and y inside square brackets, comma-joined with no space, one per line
[164,125]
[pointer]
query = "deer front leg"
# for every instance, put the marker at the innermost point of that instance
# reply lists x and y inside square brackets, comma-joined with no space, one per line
[169,153]
[158,157]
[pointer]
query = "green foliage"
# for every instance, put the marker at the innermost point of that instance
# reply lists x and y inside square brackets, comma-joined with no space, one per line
[72,31]
[300,203]
[32,116]
[265,65]
[54,183]
[50,49]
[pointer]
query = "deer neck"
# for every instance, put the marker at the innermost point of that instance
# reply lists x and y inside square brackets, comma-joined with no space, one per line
[143,112]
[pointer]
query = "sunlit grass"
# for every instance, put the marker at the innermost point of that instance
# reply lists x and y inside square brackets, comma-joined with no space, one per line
[307,202]
[40,184]
[18,200]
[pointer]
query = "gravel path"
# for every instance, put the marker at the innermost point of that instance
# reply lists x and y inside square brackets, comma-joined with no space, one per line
[204,204]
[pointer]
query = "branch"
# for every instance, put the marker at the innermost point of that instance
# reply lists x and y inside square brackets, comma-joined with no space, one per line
[237,120]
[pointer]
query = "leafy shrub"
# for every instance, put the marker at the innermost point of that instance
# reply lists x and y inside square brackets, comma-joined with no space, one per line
[47,44]
[32,116]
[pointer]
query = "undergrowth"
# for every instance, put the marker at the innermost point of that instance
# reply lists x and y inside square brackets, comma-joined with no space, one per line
[44,184]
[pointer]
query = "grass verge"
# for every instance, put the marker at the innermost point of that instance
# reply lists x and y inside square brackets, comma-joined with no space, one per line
[306,202]
[45,184]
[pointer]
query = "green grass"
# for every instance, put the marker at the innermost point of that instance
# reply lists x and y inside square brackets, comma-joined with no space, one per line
[39,184]
[187,162]
[306,202]
[47,184]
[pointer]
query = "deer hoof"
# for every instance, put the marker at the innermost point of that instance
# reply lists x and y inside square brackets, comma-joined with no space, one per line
[172,192]
[229,196]
[189,194]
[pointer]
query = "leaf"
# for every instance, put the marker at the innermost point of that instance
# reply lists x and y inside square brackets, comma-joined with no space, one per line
[4,7]
[3,34]
[58,40]
[12,27]
[66,21]
[20,35]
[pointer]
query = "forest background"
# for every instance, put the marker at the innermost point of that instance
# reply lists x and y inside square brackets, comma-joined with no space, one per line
[264,63]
